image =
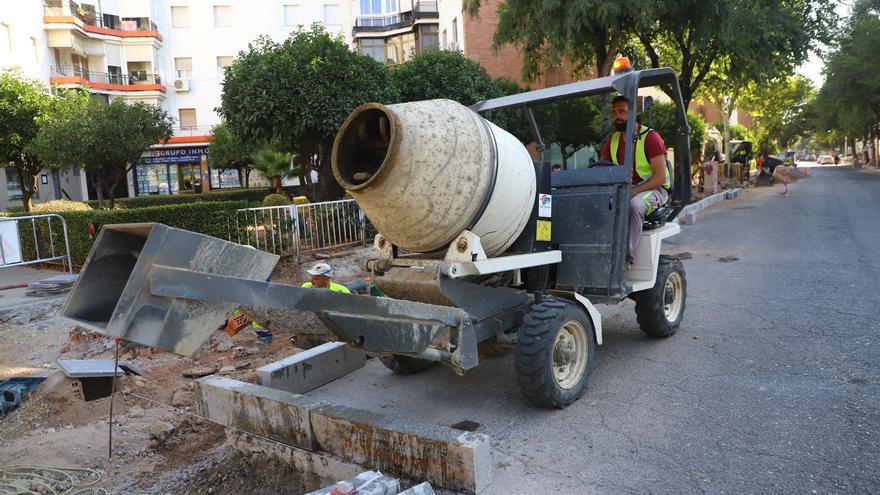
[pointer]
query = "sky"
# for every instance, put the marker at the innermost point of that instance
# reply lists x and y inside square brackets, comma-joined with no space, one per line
[812,68]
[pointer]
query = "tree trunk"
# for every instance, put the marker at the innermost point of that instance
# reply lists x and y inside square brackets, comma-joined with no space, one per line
[98,184]
[328,188]
[27,190]
[241,179]
[247,177]
[111,194]
[276,182]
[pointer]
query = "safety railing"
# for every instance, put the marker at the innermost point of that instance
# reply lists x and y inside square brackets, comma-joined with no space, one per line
[32,239]
[296,229]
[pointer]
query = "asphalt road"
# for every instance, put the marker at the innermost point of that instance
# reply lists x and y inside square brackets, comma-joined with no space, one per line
[770,386]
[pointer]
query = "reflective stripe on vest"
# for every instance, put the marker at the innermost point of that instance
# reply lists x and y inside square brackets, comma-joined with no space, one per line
[334,287]
[643,166]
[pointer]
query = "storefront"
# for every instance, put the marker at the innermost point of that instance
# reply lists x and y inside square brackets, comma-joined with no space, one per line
[171,170]
[181,169]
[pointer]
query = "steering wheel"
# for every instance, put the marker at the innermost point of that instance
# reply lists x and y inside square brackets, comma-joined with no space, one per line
[602,163]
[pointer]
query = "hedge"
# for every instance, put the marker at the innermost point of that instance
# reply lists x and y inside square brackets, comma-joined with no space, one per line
[254,195]
[207,217]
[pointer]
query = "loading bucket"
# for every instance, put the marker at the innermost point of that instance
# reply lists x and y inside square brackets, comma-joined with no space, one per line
[112,294]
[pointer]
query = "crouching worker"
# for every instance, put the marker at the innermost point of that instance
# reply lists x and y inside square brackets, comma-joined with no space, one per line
[321,274]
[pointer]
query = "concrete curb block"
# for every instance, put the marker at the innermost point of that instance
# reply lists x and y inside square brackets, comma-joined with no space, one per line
[446,457]
[312,368]
[316,469]
[688,214]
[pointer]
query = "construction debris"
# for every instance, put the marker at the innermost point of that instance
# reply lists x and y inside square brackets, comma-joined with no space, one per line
[13,390]
[51,286]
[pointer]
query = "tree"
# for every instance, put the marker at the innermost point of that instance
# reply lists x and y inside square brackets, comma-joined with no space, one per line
[571,125]
[442,74]
[228,151]
[273,164]
[740,39]
[23,102]
[849,100]
[665,123]
[104,139]
[582,36]
[297,93]
[778,109]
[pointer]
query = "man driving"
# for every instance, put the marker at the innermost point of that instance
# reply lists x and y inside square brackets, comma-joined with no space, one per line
[650,178]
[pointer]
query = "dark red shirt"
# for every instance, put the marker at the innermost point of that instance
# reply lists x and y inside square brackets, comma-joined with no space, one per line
[654,147]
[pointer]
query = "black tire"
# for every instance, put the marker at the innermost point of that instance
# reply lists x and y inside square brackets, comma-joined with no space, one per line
[405,365]
[537,353]
[656,310]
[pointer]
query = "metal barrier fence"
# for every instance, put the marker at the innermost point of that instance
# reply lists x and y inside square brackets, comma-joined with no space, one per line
[31,239]
[295,229]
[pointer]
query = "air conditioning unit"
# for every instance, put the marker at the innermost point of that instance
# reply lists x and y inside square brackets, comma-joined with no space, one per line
[181,85]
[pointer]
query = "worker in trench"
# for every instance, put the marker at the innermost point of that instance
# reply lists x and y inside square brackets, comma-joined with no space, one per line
[650,177]
[321,275]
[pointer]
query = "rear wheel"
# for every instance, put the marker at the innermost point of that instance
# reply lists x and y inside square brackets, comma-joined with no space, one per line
[660,309]
[405,365]
[555,353]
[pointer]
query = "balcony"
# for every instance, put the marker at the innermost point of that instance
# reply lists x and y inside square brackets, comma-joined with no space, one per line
[109,81]
[90,20]
[391,22]
[191,134]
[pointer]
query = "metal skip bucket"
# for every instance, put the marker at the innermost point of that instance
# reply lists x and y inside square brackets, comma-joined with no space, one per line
[112,294]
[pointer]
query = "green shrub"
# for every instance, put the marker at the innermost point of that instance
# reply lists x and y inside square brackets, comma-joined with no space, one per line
[60,205]
[276,200]
[254,195]
[206,217]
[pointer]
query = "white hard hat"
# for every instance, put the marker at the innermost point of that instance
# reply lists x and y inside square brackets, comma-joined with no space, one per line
[321,269]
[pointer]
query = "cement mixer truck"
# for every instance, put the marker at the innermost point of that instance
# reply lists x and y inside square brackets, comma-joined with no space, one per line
[479,248]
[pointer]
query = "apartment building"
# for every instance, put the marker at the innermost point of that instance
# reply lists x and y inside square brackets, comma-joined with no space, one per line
[24,47]
[172,53]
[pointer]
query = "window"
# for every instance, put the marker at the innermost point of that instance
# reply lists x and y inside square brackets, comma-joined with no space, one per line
[13,188]
[445,43]
[180,17]
[292,15]
[187,118]
[36,46]
[391,53]
[114,73]
[429,36]
[222,64]
[183,67]
[374,48]
[5,40]
[222,16]
[455,32]
[333,18]
[378,7]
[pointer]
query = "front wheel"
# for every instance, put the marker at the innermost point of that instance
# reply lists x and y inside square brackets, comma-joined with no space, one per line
[555,353]
[660,309]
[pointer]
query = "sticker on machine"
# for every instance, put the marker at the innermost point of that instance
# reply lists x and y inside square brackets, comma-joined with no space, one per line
[545,205]
[543,231]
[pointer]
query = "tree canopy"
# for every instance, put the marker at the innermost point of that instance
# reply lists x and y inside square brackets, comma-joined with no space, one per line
[779,109]
[297,93]
[445,74]
[228,151]
[849,101]
[104,139]
[23,103]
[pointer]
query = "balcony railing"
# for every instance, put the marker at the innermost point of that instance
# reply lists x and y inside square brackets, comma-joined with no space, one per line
[192,130]
[91,17]
[133,78]
[390,22]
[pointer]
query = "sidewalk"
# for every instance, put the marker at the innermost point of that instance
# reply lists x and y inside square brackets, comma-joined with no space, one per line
[21,276]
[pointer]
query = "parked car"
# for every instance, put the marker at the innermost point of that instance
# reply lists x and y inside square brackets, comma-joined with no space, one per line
[825,160]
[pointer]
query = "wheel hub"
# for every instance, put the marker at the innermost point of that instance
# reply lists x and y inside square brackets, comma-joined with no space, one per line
[672,296]
[570,354]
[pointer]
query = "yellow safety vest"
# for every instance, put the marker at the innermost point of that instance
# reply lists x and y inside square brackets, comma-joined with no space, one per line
[333,287]
[643,165]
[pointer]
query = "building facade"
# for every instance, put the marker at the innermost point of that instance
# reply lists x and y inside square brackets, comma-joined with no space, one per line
[172,53]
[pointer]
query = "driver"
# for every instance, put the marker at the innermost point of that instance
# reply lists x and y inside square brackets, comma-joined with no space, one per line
[650,178]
